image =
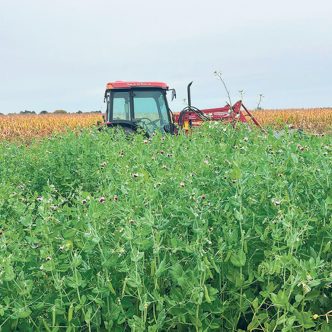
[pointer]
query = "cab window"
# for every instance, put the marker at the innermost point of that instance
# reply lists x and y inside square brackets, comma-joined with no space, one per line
[121,106]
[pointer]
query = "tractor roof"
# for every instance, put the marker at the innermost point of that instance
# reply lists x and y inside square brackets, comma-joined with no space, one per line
[130,85]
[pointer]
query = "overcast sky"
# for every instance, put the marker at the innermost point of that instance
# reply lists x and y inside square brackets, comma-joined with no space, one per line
[60,54]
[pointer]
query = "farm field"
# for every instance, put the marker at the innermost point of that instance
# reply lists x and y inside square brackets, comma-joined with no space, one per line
[316,120]
[222,230]
[27,127]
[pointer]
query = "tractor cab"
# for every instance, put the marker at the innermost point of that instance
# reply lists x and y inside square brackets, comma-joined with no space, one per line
[139,105]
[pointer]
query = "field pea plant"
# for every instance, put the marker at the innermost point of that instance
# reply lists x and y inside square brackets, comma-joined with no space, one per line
[224,230]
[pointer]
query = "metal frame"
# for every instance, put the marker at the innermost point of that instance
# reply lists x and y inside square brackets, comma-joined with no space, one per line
[191,116]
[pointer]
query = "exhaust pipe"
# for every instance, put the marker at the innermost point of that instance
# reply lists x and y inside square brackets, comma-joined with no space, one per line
[189,94]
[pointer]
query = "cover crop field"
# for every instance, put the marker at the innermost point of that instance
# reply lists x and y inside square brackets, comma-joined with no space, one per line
[224,230]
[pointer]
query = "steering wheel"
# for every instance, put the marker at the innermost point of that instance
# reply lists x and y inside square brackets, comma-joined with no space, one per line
[150,122]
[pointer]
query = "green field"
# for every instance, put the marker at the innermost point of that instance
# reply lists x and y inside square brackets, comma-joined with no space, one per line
[224,230]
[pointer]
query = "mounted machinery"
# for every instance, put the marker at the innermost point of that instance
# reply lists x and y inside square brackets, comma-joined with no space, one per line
[143,106]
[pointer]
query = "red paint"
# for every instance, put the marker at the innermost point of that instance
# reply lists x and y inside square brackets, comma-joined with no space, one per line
[129,85]
[217,114]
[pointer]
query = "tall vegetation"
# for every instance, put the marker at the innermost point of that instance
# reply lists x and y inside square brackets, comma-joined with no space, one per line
[223,230]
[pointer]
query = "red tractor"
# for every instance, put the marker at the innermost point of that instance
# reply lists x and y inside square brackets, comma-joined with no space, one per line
[143,105]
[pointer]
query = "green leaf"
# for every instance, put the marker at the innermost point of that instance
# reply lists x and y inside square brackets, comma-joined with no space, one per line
[87,316]
[161,318]
[238,215]
[326,327]
[8,274]
[328,202]
[280,299]
[294,158]
[177,271]
[298,298]
[235,174]
[254,304]
[49,266]
[238,259]
[133,282]
[136,324]
[161,268]
[75,281]
[22,312]
[137,255]
[305,319]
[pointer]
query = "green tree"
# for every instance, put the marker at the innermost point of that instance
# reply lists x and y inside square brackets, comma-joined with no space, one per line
[27,112]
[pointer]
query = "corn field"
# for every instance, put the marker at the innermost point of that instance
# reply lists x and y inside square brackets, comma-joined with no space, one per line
[28,127]
[316,120]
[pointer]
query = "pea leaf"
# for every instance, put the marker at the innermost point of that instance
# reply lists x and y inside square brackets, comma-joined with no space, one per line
[238,259]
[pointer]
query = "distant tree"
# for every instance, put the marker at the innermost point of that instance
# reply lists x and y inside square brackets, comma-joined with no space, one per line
[27,112]
[60,112]
[79,112]
[43,112]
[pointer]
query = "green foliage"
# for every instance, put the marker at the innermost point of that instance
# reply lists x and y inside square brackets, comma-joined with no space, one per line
[27,112]
[223,230]
[60,112]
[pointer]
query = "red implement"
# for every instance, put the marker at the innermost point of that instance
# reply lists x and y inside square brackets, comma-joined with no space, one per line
[193,117]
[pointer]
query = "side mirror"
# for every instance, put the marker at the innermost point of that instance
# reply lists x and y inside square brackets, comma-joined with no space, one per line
[173,94]
[106,96]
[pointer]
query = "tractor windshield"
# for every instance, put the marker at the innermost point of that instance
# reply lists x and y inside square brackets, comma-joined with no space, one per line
[150,109]
[145,108]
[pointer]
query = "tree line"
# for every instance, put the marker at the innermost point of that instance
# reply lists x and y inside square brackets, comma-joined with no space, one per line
[26,112]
